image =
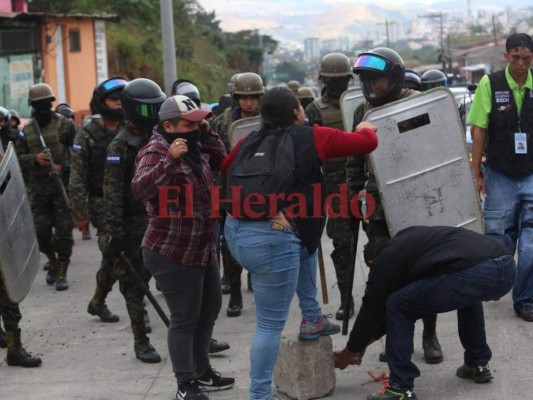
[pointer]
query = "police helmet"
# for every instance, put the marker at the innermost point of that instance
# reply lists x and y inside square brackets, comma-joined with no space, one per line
[5,114]
[433,78]
[305,93]
[65,110]
[294,86]
[335,65]
[376,64]
[113,88]
[187,88]
[40,91]
[248,84]
[15,115]
[141,100]
[231,83]
[412,80]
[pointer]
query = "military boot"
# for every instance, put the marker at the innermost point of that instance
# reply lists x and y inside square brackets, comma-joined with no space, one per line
[147,324]
[339,315]
[51,274]
[144,351]
[224,282]
[61,282]
[16,355]
[2,338]
[430,342]
[98,307]
[235,298]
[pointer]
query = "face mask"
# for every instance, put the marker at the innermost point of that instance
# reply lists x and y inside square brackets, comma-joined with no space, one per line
[192,137]
[335,88]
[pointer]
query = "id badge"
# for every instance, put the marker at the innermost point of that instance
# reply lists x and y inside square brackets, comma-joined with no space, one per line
[520,143]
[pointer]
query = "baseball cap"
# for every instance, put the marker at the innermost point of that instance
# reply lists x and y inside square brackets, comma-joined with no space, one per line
[182,107]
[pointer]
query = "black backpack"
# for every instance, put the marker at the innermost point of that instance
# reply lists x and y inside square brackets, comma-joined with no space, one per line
[263,166]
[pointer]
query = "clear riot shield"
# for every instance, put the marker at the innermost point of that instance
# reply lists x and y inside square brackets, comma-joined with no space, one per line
[243,127]
[19,250]
[350,99]
[421,163]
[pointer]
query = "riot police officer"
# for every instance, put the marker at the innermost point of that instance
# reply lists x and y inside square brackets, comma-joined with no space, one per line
[382,75]
[433,78]
[7,133]
[294,86]
[335,74]
[412,80]
[305,95]
[50,212]
[87,180]
[246,94]
[125,216]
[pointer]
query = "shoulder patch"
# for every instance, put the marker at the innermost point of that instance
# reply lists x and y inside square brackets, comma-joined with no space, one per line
[76,147]
[21,134]
[113,158]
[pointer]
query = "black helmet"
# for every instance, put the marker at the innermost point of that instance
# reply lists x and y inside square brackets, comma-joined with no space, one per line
[184,87]
[111,87]
[379,63]
[412,80]
[141,100]
[433,78]
[65,110]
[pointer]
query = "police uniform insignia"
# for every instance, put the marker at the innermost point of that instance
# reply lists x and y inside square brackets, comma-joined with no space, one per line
[113,158]
[76,147]
[21,134]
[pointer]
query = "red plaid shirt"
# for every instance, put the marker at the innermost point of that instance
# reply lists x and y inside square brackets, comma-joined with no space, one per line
[177,201]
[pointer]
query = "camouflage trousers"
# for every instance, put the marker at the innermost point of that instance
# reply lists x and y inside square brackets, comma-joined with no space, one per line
[9,311]
[113,269]
[339,230]
[376,226]
[231,268]
[53,224]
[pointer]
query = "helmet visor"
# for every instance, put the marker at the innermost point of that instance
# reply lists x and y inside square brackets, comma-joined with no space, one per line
[369,61]
[114,84]
[431,85]
[148,110]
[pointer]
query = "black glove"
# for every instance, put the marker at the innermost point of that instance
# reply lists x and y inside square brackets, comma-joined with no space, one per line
[117,246]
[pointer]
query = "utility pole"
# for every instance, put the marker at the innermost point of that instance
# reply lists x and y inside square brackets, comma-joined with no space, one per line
[494,30]
[443,54]
[170,71]
[387,23]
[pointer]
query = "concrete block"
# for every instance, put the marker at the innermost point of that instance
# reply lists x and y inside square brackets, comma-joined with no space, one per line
[305,369]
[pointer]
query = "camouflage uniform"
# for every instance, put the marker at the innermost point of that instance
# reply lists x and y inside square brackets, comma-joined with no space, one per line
[87,195]
[358,174]
[322,112]
[221,125]
[50,213]
[125,218]
[9,311]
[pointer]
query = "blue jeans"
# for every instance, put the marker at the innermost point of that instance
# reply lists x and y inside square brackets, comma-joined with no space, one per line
[462,291]
[508,212]
[280,266]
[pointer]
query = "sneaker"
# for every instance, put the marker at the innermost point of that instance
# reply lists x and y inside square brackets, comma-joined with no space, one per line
[190,391]
[392,393]
[310,330]
[479,374]
[211,381]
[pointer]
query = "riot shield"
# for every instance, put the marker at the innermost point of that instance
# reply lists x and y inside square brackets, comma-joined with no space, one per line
[243,127]
[19,250]
[350,99]
[421,164]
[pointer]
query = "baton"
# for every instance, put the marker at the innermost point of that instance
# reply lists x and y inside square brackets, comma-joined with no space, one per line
[354,222]
[133,271]
[323,283]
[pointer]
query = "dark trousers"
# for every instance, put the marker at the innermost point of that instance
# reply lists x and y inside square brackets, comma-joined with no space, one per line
[193,296]
[462,291]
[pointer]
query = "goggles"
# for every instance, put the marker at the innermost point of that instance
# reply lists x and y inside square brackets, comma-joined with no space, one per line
[370,61]
[114,84]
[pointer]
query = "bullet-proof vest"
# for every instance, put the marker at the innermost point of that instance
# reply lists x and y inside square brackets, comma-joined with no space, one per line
[97,154]
[51,138]
[504,122]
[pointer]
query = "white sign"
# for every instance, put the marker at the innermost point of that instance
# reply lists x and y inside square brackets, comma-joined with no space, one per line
[21,76]
[101,50]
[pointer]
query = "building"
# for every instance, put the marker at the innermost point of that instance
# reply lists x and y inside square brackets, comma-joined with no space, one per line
[311,49]
[66,51]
